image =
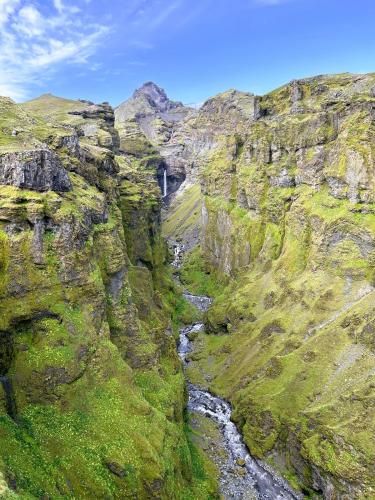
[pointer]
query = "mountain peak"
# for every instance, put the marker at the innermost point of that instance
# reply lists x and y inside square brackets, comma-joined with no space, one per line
[150,89]
[156,96]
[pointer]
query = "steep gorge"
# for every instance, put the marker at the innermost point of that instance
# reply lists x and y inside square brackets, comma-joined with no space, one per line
[287,249]
[272,200]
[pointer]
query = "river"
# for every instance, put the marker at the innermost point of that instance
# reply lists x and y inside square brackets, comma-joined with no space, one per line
[241,476]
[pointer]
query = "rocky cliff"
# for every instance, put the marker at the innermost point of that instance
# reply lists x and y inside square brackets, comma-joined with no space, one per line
[92,393]
[288,230]
[150,121]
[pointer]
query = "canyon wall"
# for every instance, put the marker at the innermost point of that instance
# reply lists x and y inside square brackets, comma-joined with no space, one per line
[92,393]
[288,224]
[276,202]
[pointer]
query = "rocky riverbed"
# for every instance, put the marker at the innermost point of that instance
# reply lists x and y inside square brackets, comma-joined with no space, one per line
[241,476]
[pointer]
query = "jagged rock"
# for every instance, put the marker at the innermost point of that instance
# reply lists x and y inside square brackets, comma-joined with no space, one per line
[283,180]
[338,188]
[150,99]
[156,97]
[310,163]
[40,170]
[149,122]
[296,96]
[70,142]
[96,111]
[232,105]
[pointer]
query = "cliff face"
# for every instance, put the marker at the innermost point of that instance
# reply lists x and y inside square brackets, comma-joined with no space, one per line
[92,393]
[150,122]
[288,220]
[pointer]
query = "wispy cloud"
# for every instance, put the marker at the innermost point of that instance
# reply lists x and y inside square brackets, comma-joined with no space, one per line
[154,16]
[7,8]
[165,13]
[61,7]
[37,39]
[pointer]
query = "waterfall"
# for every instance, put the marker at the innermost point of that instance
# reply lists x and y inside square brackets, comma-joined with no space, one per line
[165,191]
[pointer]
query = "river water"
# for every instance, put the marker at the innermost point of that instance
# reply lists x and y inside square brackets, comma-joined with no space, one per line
[256,480]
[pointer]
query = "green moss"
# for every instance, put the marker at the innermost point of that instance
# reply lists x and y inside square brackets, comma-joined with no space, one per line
[4,258]
[184,312]
[204,475]
[295,260]
[89,425]
[196,276]
[137,146]
[184,215]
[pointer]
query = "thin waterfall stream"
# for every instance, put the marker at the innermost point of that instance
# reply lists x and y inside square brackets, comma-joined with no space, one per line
[165,184]
[257,480]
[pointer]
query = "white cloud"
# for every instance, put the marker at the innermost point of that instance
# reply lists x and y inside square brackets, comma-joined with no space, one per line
[29,22]
[38,39]
[7,8]
[61,7]
[58,5]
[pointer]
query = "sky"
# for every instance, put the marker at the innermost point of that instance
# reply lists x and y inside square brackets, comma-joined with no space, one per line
[103,50]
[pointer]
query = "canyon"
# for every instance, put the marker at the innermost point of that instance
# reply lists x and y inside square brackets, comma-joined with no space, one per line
[113,220]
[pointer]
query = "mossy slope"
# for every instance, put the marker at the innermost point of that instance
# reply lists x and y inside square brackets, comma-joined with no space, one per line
[86,340]
[288,219]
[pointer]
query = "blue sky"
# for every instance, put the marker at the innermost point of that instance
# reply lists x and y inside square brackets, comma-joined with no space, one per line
[104,49]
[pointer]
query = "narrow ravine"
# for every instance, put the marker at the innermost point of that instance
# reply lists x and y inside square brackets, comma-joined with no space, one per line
[257,480]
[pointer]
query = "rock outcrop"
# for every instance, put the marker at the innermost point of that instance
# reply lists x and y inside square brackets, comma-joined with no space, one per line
[39,170]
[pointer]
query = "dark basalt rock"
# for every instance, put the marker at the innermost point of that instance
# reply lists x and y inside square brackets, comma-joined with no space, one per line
[10,399]
[96,111]
[39,170]
[116,469]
